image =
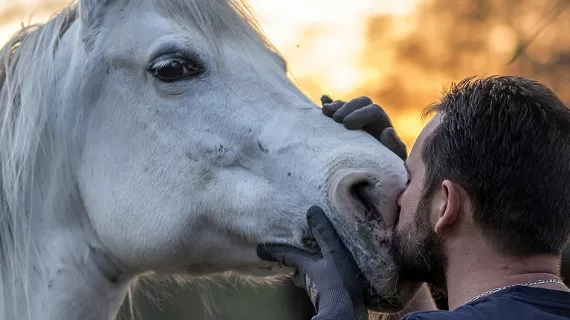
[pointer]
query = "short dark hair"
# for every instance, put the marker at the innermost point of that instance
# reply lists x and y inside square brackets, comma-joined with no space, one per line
[506,140]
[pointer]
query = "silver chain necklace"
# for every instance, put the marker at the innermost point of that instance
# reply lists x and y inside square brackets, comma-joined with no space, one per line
[526,284]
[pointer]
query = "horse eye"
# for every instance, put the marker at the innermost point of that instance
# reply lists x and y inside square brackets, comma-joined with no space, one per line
[174,69]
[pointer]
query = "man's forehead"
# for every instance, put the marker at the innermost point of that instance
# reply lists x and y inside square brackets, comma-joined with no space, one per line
[415,153]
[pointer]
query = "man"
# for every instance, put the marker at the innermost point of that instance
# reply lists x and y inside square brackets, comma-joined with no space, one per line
[486,211]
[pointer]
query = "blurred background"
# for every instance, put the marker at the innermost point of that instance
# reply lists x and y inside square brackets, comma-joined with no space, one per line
[402,53]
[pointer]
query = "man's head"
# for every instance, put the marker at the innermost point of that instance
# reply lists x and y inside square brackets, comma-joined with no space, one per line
[493,163]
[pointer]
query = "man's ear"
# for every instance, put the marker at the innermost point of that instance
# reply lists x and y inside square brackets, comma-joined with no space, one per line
[448,206]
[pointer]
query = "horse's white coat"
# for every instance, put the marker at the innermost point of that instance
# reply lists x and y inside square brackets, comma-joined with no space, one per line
[108,173]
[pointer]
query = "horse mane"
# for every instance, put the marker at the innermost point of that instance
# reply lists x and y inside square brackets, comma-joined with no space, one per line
[24,111]
[27,85]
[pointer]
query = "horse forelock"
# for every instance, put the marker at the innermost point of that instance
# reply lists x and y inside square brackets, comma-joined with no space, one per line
[218,19]
[213,19]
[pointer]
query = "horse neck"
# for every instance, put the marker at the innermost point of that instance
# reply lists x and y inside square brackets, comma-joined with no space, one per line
[57,270]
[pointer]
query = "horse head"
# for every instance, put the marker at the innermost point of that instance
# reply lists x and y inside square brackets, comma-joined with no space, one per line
[166,137]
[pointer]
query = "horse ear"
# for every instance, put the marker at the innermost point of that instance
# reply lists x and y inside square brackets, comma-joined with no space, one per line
[90,11]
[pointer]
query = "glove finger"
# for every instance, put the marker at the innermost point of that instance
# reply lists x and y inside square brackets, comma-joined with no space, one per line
[310,287]
[302,281]
[324,232]
[326,99]
[286,255]
[329,109]
[392,142]
[349,107]
[369,117]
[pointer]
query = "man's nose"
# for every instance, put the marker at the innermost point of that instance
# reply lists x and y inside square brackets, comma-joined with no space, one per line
[400,196]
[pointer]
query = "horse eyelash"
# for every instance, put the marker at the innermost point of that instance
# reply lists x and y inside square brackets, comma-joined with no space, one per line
[163,63]
[163,60]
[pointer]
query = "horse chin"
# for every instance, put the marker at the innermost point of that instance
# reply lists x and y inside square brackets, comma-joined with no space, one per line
[392,302]
[383,305]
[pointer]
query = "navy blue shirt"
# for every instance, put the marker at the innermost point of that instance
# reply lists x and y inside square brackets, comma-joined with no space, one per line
[511,303]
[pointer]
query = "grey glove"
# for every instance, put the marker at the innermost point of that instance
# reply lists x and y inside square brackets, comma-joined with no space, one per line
[331,277]
[362,113]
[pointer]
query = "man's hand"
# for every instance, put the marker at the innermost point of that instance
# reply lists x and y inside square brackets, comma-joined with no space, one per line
[362,113]
[331,277]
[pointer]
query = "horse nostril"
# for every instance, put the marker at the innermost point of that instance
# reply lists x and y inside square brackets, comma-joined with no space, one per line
[365,195]
[364,192]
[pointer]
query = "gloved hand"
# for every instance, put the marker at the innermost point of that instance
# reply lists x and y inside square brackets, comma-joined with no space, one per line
[331,277]
[362,113]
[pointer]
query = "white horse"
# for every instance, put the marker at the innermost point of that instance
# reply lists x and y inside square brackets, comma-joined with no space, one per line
[165,137]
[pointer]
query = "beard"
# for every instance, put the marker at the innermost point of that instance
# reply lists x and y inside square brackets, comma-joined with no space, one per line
[418,250]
